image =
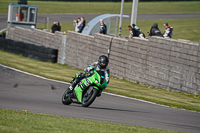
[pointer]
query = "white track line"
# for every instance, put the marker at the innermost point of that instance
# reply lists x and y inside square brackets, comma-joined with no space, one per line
[33,74]
[103,92]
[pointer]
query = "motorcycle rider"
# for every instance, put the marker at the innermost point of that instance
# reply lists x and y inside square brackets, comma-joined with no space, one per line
[100,65]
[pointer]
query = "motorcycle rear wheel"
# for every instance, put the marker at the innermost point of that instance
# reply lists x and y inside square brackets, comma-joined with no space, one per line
[66,100]
[88,99]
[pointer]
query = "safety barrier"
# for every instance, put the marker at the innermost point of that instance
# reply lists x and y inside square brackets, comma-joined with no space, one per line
[32,51]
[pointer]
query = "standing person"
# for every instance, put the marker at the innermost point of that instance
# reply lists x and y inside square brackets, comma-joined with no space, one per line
[154,31]
[83,24]
[59,26]
[77,25]
[55,27]
[168,31]
[103,27]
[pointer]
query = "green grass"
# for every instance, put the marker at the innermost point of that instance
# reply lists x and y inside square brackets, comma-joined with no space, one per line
[187,29]
[26,122]
[102,7]
[117,86]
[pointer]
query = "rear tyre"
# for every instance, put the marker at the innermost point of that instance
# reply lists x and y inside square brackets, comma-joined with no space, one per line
[66,100]
[89,98]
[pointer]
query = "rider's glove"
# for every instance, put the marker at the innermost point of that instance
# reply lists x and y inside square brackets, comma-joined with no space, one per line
[89,73]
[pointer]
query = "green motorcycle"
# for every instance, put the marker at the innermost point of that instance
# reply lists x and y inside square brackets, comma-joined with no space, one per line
[86,91]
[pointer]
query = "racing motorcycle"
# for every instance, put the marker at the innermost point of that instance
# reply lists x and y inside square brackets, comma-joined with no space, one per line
[86,91]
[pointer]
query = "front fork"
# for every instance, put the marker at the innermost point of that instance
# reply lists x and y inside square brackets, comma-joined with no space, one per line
[82,85]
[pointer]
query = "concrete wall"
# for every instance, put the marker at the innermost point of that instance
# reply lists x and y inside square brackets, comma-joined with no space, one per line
[82,50]
[29,50]
[37,37]
[159,62]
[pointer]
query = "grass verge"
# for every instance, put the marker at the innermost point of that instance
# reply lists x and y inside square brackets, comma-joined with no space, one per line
[117,86]
[23,122]
[107,7]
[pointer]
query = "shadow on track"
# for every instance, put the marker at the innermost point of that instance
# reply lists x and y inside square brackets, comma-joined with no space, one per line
[108,109]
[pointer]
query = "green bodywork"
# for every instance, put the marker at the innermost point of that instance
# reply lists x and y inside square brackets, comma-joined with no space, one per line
[93,80]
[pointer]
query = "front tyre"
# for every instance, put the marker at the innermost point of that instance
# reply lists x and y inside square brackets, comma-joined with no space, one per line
[66,100]
[89,98]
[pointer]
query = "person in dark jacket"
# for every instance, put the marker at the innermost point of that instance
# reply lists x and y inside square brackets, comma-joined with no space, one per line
[59,27]
[83,24]
[103,28]
[154,31]
[135,31]
[55,27]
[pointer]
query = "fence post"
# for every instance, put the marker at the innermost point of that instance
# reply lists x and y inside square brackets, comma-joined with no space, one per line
[47,22]
[116,26]
[109,49]
[64,38]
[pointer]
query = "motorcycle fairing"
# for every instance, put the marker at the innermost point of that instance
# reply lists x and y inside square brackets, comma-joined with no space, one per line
[86,82]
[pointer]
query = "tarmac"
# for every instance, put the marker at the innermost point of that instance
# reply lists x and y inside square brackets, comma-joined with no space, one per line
[70,17]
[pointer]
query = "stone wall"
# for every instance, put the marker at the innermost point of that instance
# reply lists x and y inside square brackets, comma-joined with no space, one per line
[82,50]
[159,62]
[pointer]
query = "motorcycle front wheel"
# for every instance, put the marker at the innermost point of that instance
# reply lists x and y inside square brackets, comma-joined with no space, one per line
[66,100]
[88,99]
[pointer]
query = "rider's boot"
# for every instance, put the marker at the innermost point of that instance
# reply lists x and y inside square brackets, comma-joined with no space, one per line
[73,84]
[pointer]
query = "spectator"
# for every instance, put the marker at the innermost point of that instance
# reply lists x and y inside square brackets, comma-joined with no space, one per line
[21,16]
[168,31]
[137,32]
[131,32]
[103,27]
[77,25]
[55,27]
[154,31]
[83,24]
[59,26]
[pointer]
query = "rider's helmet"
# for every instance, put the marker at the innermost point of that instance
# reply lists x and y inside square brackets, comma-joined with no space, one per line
[103,61]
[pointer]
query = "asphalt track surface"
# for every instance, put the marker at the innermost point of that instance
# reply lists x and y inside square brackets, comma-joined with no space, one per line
[19,91]
[70,17]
